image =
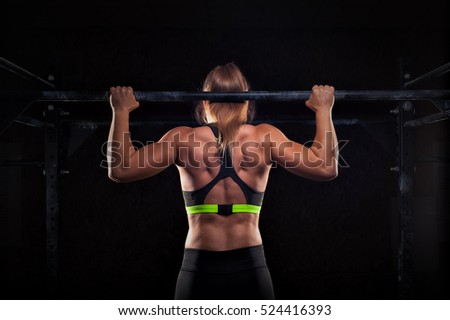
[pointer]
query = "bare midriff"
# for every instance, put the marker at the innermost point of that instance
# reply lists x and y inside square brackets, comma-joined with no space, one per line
[219,233]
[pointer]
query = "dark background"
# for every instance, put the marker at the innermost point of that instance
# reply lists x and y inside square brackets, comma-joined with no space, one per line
[332,240]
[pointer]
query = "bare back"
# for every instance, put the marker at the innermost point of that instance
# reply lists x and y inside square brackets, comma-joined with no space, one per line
[198,163]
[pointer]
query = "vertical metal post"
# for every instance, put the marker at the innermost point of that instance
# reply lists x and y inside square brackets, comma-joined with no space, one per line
[52,171]
[406,170]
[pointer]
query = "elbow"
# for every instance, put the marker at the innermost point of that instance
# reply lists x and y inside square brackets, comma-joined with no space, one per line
[117,175]
[327,174]
[330,174]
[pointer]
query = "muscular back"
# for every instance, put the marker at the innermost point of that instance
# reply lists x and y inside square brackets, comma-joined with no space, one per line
[198,163]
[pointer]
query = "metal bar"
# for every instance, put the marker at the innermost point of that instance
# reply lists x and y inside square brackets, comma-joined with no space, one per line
[21,72]
[179,96]
[52,193]
[10,110]
[432,74]
[405,183]
[441,105]
[32,122]
[433,118]
[89,124]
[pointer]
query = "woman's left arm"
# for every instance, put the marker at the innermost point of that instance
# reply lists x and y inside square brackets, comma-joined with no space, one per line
[125,163]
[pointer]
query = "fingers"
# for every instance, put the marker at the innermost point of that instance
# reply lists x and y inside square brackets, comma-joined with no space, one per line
[318,89]
[322,87]
[322,96]
[315,89]
[122,88]
[126,90]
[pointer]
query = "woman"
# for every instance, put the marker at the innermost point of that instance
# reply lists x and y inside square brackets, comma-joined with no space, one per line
[224,167]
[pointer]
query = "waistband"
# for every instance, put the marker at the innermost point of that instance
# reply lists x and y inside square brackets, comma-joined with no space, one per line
[237,260]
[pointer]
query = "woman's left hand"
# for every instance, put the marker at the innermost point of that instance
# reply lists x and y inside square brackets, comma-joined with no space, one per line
[122,99]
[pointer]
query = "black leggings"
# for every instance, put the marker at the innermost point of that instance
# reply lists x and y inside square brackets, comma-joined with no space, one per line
[239,274]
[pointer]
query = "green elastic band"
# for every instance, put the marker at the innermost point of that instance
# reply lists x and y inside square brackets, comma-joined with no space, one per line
[202,208]
[214,208]
[250,208]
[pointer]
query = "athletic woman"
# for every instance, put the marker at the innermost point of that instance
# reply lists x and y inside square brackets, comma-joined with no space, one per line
[224,167]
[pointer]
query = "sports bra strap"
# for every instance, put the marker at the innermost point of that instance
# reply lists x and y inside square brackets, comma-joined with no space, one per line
[214,129]
[197,197]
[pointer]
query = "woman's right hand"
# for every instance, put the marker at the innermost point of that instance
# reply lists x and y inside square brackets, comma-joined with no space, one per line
[322,97]
[122,99]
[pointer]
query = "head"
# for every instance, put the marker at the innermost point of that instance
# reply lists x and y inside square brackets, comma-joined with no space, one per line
[228,116]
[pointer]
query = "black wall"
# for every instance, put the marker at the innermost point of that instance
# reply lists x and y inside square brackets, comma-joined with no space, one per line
[333,240]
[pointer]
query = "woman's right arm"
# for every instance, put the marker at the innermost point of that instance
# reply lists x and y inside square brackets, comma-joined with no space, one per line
[318,162]
[125,163]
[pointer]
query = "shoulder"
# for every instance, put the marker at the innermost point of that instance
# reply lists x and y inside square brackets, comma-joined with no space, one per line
[265,129]
[267,132]
[178,133]
[185,133]
[182,130]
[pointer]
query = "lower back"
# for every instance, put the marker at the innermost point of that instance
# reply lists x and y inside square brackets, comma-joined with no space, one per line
[218,233]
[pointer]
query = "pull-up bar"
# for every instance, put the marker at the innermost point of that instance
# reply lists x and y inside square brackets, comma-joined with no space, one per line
[179,96]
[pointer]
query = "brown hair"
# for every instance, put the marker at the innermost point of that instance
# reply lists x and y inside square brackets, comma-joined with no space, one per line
[229,116]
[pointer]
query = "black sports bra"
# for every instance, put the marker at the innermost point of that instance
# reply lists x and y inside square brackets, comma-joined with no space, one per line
[194,200]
